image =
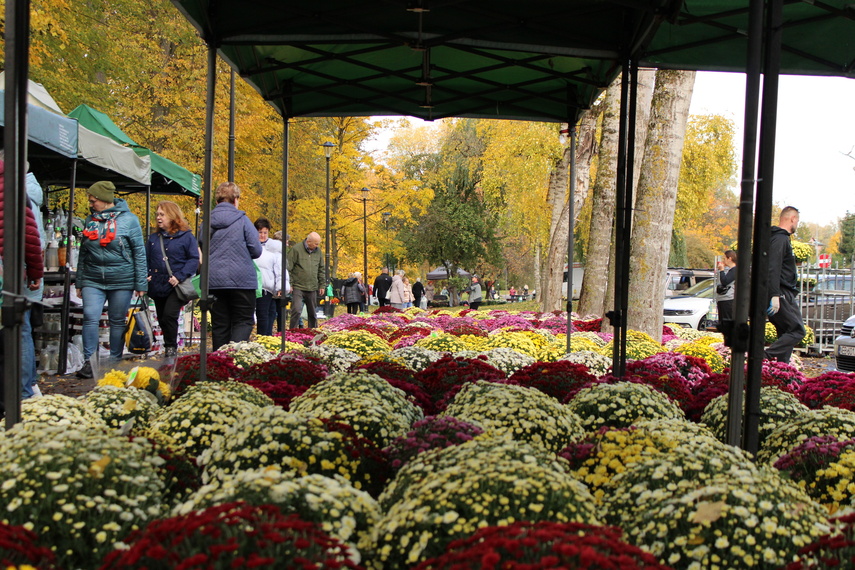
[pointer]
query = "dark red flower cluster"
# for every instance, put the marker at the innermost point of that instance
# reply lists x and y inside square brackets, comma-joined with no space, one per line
[828,389]
[460,329]
[285,377]
[398,376]
[385,309]
[578,452]
[541,546]
[561,379]
[373,471]
[667,331]
[833,550]
[442,379]
[300,336]
[433,432]
[371,328]
[593,325]
[232,535]
[19,546]
[408,331]
[219,367]
[716,384]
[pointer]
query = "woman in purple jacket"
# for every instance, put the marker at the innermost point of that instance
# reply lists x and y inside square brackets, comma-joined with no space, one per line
[232,278]
[181,249]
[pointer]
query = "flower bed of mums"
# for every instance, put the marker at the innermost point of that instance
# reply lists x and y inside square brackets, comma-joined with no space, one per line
[430,440]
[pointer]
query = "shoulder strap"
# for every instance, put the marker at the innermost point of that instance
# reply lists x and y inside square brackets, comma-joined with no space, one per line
[165,258]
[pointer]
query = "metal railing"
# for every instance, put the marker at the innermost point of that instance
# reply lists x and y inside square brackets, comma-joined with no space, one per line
[827,299]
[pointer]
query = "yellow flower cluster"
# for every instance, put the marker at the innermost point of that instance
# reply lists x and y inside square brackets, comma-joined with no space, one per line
[829,420]
[362,343]
[273,344]
[520,341]
[114,378]
[442,342]
[703,350]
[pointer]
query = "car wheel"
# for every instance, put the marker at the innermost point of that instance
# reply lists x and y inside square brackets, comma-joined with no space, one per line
[702,324]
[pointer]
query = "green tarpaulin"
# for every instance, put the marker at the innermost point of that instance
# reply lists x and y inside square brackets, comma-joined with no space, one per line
[166,177]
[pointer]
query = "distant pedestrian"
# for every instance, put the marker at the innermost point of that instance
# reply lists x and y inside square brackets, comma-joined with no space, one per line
[382,284]
[353,293]
[474,289]
[418,292]
[724,292]
[306,270]
[398,292]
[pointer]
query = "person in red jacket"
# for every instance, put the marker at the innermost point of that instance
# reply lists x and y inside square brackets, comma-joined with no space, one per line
[33,259]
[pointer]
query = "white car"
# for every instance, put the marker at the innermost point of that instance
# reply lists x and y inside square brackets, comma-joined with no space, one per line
[844,346]
[694,308]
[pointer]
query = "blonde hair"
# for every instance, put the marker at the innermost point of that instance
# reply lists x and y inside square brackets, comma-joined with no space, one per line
[227,192]
[177,221]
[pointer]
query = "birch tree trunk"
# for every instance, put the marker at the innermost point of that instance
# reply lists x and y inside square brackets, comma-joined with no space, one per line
[593,294]
[656,200]
[549,291]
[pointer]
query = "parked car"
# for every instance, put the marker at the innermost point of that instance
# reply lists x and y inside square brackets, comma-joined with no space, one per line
[844,346]
[678,280]
[694,307]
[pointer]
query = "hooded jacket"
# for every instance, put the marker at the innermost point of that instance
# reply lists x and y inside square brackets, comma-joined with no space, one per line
[32,244]
[399,291]
[352,291]
[782,263]
[122,263]
[234,244]
[183,253]
[36,196]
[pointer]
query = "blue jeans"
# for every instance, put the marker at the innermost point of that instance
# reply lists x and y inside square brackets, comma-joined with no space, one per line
[28,358]
[117,310]
[265,313]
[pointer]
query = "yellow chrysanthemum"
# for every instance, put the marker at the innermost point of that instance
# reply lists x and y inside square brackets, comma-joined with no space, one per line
[114,378]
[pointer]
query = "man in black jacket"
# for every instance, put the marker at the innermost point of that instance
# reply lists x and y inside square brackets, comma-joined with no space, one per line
[418,292]
[381,285]
[783,309]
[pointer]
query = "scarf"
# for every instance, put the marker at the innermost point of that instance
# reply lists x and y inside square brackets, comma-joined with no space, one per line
[102,226]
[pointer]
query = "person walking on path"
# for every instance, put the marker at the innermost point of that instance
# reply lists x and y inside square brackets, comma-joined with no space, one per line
[726,284]
[475,297]
[112,265]
[306,269]
[398,292]
[783,309]
[418,292]
[174,242]
[232,278]
[382,284]
[270,264]
[353,293]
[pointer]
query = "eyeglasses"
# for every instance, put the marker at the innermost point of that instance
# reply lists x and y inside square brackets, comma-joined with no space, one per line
[93,200]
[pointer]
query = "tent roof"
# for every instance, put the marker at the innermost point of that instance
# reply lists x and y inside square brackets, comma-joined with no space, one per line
[536,60]
[167,177]
[441,273]
[101,157]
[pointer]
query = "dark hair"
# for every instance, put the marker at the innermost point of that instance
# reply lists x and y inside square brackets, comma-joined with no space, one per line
[262,223]
[731,255]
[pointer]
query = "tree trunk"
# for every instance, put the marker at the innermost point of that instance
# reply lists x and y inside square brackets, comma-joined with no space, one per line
[549,292]
[657,199]
[593,294]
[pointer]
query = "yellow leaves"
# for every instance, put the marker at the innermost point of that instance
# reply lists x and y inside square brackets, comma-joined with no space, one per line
[96,469]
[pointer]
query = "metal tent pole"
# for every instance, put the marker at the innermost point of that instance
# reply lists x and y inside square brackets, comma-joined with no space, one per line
[571,223]
[15,143]
[736,333]
[232,127]
[282,300]
[62,359]
[762,222]
[617,316]
[204,301]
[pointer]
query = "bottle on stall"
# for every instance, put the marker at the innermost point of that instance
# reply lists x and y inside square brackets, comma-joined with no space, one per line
[75,249]
[52,256]
[62,252]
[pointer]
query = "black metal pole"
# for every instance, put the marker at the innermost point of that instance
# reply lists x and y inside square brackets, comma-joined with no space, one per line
[736,333]
[629,202]
[15,144]
[365,239]
[618,318]
[571,228]
[327,229]
[62,359]
[207,190]
[762,223]
[284,304]
[232,127]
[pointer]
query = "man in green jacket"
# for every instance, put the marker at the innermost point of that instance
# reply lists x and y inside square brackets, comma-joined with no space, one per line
[306,268]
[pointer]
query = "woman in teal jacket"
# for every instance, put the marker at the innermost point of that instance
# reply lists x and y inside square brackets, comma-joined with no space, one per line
[111,266]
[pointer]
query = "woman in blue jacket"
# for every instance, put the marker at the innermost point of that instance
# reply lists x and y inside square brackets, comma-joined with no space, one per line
[182,251]
[110,267]
[232,279]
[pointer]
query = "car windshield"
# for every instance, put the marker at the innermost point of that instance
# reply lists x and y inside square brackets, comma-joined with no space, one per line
[701,289]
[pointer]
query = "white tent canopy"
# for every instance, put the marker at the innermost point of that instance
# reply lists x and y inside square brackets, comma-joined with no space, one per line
[441,273]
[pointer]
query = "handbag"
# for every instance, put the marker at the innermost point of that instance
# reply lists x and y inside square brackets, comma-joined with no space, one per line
[389,294]
[138,331]
[185,290]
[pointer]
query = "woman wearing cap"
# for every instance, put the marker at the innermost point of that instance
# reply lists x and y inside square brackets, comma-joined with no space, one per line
[111,266]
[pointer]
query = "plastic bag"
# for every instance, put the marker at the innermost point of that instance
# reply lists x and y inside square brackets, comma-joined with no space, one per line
[73,359]
[138,332]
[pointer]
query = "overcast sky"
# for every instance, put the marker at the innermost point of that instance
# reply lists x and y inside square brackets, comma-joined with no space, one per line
[816,129]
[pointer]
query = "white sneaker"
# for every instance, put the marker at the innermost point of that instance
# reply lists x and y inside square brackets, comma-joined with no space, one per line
[37,392]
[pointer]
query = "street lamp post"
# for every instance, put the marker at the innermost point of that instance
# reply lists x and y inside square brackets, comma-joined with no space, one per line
[328,146]
[387,261]
[365,192]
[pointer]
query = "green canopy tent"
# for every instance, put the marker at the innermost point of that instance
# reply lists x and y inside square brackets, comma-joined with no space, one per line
[166,176]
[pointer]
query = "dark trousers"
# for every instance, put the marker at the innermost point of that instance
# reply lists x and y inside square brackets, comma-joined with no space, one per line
[353,308]
[168,309]
[381,298]
[474,305]
[310,300]
[265,313]
[725,310]
[232,315]
[791,329]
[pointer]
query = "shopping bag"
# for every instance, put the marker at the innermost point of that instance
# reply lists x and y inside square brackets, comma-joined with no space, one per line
[186,291]
[138,331]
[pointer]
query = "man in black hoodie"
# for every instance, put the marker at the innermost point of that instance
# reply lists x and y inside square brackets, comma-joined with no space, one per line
[381,286]
[783,308]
